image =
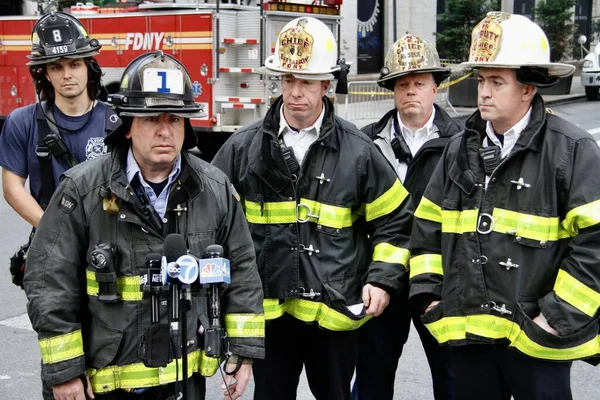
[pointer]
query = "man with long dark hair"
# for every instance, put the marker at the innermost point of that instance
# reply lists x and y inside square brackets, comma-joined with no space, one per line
[41,141]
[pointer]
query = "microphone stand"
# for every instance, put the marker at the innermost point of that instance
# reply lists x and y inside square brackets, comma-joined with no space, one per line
[185,306]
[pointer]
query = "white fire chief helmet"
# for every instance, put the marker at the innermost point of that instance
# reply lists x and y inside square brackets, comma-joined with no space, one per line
[305,48]
[503,40]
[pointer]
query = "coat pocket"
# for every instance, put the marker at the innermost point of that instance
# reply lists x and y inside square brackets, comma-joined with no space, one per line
[103,344]
[337,301]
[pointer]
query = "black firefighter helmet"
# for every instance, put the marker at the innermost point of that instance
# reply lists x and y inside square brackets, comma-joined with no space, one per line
[57,35]
[153,84]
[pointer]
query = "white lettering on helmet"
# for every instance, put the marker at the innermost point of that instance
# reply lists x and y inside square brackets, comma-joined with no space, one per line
[144,41]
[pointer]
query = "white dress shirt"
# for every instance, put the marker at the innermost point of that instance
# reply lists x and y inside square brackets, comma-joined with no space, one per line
[414,141]
[300,141]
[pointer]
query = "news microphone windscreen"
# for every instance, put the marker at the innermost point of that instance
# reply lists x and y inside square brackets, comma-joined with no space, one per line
[214,250]
[174,247]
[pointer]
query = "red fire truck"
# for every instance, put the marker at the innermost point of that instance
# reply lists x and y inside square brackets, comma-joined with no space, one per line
[220,44]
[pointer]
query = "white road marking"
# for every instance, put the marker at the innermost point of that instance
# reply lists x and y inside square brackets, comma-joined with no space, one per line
[4,377]
[20,322]
[594,131]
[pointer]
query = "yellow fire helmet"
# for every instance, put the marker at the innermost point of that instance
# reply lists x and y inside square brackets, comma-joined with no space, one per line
[503,40]
[305,48]
[411,54]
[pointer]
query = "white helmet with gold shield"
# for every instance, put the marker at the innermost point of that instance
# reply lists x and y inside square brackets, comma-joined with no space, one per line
[503,40]
[305,48]
[411,54]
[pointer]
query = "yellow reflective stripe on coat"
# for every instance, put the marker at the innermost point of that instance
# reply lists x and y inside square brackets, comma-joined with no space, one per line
[574,292]
[387,202]
[494,327]
[428,210]
[61,348]
[312,311]
[330,216]
[582,217]
[128,287]
[283,212]
[459,221]
[387,253]
[134,376]
[426,264]
[245,325]
[273,308]
[528,226]
[287,212]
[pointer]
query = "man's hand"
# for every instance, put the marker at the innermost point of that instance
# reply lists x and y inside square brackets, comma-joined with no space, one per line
[541,321]
[375,299]
[73,390]
[242,378]
[430,306]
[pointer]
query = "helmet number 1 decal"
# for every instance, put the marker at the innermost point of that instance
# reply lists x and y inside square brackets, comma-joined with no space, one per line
[163,81]
[57,36]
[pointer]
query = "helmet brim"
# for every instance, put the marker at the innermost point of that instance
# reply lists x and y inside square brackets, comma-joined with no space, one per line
[439,75]
[48,59]
[272,70]
[118,135]
[558,70]
[156,111]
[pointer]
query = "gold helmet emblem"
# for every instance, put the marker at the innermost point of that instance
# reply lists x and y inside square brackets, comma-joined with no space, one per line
[295,47]
[411,54]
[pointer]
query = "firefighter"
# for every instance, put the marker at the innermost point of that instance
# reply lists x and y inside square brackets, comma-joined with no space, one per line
[412,136]
[41,141]
[329,218]
[506,241]
[84,264]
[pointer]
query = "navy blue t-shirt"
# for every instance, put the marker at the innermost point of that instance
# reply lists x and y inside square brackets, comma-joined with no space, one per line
[19,139]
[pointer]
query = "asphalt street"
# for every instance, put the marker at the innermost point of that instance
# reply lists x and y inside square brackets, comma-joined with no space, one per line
[20,357]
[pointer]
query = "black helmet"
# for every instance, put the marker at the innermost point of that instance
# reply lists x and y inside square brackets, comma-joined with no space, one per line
[57,35]
[153,84]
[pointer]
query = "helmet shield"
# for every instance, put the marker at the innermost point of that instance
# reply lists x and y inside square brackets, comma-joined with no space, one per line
[305,48]
[409,55]
[155,83]
[503,40]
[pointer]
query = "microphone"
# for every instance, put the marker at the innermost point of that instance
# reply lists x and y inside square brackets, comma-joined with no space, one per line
[214,268]
[151,282]
[215,272]
[173,248]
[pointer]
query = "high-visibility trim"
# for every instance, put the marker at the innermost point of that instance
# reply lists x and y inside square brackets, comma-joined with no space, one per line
[387,253]
[387,202]
[428,210]
[273,309]
[137,375]
[312,311]
[577,294]
[426,264]
[582,217]
[459,221]
[528,226]
[284,212]
[128,287]
[245,325]
[330,216]
[61,348]
[495,327]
